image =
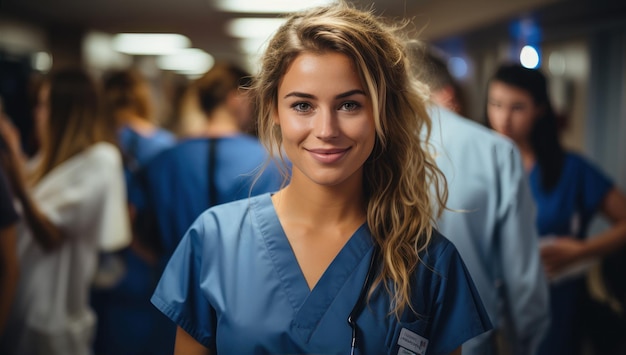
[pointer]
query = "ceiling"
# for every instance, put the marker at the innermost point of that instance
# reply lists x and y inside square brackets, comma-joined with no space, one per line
[204,24]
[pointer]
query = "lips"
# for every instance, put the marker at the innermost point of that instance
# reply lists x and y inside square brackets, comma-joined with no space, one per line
[328,156]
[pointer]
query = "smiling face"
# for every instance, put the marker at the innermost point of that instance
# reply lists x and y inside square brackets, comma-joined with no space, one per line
[326,119]
[511,111]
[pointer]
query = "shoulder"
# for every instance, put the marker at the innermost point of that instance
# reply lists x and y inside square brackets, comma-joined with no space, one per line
[439,247]
[186,148]
[245,142]
[577,160]
[164,135]
[222,226]
[454,132]
[441,260]
[234,211]
[576,163]
[103,153]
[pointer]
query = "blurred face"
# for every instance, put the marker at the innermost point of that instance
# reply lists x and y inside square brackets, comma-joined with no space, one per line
[326,119]
[511,111]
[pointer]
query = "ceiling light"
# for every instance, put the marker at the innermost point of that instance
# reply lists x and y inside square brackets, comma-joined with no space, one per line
[253,27]
[529,57]
[268,6]
[255,46]
[187,61]
[149,43]
[42,61]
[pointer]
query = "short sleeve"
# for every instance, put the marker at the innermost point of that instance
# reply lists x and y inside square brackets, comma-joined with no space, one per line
[179,295]
[595,186]
[8,215]
[458,313]
[114,225]
[88,196]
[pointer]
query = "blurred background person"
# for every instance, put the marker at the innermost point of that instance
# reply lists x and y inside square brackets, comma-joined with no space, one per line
[217,165]
[568,189]
[490,219]
[127,321]
[9,265]
[128,101]
[445,90]
[73,204]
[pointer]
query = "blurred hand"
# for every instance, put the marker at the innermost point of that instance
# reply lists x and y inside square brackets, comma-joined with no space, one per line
[562,252]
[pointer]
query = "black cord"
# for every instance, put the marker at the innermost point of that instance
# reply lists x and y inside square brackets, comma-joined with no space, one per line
[360,302]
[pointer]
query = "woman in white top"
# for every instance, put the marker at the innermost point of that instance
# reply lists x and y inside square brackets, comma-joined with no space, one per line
[73,204]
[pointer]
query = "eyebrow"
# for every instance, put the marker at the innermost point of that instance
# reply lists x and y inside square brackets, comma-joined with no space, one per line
[340,96]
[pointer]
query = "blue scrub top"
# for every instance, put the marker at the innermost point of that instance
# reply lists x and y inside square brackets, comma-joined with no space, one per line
[175,183]
[137,150]
[567,210]
[235,285]
[570,206]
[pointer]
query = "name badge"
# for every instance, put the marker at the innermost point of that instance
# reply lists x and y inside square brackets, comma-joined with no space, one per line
[413,342]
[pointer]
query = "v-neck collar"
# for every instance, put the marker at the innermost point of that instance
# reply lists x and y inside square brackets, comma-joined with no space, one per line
[309,305]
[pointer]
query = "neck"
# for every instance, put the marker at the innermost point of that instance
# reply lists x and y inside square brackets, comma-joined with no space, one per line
[136,123]
[221,123]
[321,205]
[528,155]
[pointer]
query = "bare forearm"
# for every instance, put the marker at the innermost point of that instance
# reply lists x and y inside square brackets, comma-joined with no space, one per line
[187,345]
[9,272]
[48,235]
[44,231]
[606,242]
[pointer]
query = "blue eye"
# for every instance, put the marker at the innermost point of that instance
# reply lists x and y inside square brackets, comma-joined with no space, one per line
[301,106]
[350,106]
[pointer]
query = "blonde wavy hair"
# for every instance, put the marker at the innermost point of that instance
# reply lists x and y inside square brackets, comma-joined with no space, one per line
[404,188]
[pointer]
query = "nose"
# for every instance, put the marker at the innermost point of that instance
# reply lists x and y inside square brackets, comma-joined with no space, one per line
[326,124]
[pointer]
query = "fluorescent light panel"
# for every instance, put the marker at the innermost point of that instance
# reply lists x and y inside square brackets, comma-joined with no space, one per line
[268,6]
[150,43]
[187,61]
[253,27]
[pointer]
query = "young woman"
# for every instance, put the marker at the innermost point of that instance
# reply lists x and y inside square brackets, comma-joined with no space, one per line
[568,190]
[345,257]
[73,204]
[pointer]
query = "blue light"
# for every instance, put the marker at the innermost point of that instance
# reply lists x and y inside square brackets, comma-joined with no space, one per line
[457,67]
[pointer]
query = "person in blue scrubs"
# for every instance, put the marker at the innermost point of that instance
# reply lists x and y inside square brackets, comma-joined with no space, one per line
[490,218]
[128,324]
[344,259]
[218,165]
[569,191]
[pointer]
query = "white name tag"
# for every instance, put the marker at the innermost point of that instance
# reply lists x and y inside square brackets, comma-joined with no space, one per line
[412,342]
